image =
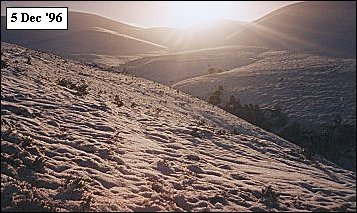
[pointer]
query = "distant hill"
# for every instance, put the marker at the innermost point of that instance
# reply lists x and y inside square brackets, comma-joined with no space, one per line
[172,68]
[308,86]
[116,38]
[96,41]
[207,35]
[327,28]
[88,33]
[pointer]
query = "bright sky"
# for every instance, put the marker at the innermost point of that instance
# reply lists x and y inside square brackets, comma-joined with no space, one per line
[163,13]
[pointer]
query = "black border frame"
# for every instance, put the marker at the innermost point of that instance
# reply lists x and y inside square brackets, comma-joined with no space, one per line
[37,7]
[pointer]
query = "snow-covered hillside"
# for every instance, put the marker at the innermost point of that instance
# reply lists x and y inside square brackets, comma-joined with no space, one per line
[308,87]
[175,67]
[77,138]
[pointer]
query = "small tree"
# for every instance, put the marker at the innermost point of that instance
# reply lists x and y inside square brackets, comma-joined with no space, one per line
[211,70]
[215,98]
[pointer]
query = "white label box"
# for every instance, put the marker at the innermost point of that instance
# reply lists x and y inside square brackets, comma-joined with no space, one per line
[37,18]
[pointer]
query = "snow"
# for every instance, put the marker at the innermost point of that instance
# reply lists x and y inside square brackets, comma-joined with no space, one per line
[174,67]
[127,36]
[310,88]
[164,150]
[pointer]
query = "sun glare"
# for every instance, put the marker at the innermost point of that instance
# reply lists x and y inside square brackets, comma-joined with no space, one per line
[192,13]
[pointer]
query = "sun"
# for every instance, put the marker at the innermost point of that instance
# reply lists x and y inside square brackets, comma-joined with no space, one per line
[190,13]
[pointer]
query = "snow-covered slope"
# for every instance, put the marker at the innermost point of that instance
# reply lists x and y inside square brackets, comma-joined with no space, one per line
[308,87]
[96,41]
[131,144]
[172,68]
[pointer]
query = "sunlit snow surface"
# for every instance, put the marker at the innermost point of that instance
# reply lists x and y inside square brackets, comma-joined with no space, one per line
[162,151]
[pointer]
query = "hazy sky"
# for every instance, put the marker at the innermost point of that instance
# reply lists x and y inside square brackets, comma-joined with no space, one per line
[163,13]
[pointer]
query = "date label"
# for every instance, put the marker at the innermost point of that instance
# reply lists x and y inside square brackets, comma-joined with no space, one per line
[37,18]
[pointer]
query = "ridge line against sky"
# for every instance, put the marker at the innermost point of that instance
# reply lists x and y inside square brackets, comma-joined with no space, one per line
[163,13]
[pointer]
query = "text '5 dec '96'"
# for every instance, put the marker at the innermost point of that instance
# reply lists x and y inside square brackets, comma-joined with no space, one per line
[37,18]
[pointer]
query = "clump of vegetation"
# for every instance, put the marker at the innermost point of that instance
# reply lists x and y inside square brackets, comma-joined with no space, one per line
[26,145]
[201,122]
[221,132]
[235,132]
[80,87]
[39,164]
[3,64]
[117,101]
[66,83]
[22,197]
[331,141]
[196,133]
[28,60]
[157,111]
[215,98]
[269,196]
[189,181]
[27,141]
[212,70]
[74,188]
[74,184]
[86,203]
[33,205]
[133,105]
[157,186]
[218,199]
[268,118]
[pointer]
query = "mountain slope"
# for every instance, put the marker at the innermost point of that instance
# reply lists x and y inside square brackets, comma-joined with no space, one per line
[125,143]
[315,94]
[206,35]
[319,28]
[96,41]
[83,36]
[309,87]
[172,68]
[327,28]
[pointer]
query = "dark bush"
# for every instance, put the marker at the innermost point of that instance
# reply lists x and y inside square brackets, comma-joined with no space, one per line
[270,197]
[4,64]
[32,205]
[118,101]
[66,83]
[215,98]
[81,87]
[212,70]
